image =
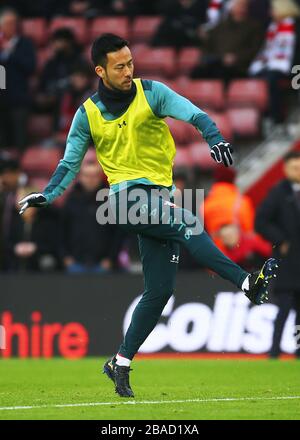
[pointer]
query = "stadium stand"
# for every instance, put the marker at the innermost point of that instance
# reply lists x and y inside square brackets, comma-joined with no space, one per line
[144,28]
[40,162]
[238,108]
[36,29]
[245,122]
[109,24]
[150,61]
[204,93]
[77,25]
[188,59]
[247,92]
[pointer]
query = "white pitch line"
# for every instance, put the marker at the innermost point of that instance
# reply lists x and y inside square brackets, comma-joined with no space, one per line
[148,402]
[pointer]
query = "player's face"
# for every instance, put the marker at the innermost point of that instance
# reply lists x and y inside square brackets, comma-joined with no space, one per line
[292,170]
[118,72]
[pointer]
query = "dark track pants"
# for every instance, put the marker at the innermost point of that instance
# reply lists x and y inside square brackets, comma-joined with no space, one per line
[159,249]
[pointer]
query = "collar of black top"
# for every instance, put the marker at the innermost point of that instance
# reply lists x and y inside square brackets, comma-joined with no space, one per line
[116,101]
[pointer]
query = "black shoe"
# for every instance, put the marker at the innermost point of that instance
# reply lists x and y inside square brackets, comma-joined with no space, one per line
[120,377]
[259,282]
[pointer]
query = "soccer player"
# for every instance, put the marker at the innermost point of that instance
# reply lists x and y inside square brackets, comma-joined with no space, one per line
[124,120]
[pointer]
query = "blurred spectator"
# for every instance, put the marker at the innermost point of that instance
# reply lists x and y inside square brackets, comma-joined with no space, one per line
[87,245]
[32,243]
[80,87]
[230,46]
[179,28]
[278,220]
[10,180]
[247,249]
[11,176]
[18,57]
[274,62]
[226,205]
[56,73]
[217,9]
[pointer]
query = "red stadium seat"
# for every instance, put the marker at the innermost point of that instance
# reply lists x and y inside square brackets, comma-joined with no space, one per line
[248,92]
[144,28]
[223,123]
[178,131]
[77,25]
[38,161]
[156,61]
[38,182]
[36,29]
[204,93]
[40,126]
[200,156]
[188,59]
[245,122]
[182,158]
[114,25]
[139,48]
[167,81]
[182,132]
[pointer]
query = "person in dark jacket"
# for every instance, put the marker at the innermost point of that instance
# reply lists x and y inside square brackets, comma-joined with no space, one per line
[87,245]
[55,76]
[230,46]
[32,242]
[278,221]
[17,55]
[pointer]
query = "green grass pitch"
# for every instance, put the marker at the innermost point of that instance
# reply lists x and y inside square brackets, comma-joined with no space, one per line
[164,389]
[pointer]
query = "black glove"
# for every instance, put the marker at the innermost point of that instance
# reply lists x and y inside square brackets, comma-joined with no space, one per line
[36,200]
[222,153]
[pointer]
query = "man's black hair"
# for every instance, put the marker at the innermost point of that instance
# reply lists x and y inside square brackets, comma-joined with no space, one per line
[103,45]
[291,155]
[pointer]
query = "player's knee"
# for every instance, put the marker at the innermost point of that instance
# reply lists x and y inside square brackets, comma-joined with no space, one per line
[158,296]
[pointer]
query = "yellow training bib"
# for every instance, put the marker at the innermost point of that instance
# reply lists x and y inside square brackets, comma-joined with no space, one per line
[135,145]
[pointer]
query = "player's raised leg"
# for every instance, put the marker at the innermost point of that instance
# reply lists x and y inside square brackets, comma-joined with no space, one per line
[184,227]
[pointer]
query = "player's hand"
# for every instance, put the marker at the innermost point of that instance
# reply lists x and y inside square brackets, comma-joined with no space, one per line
[222,153]
[36,200]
